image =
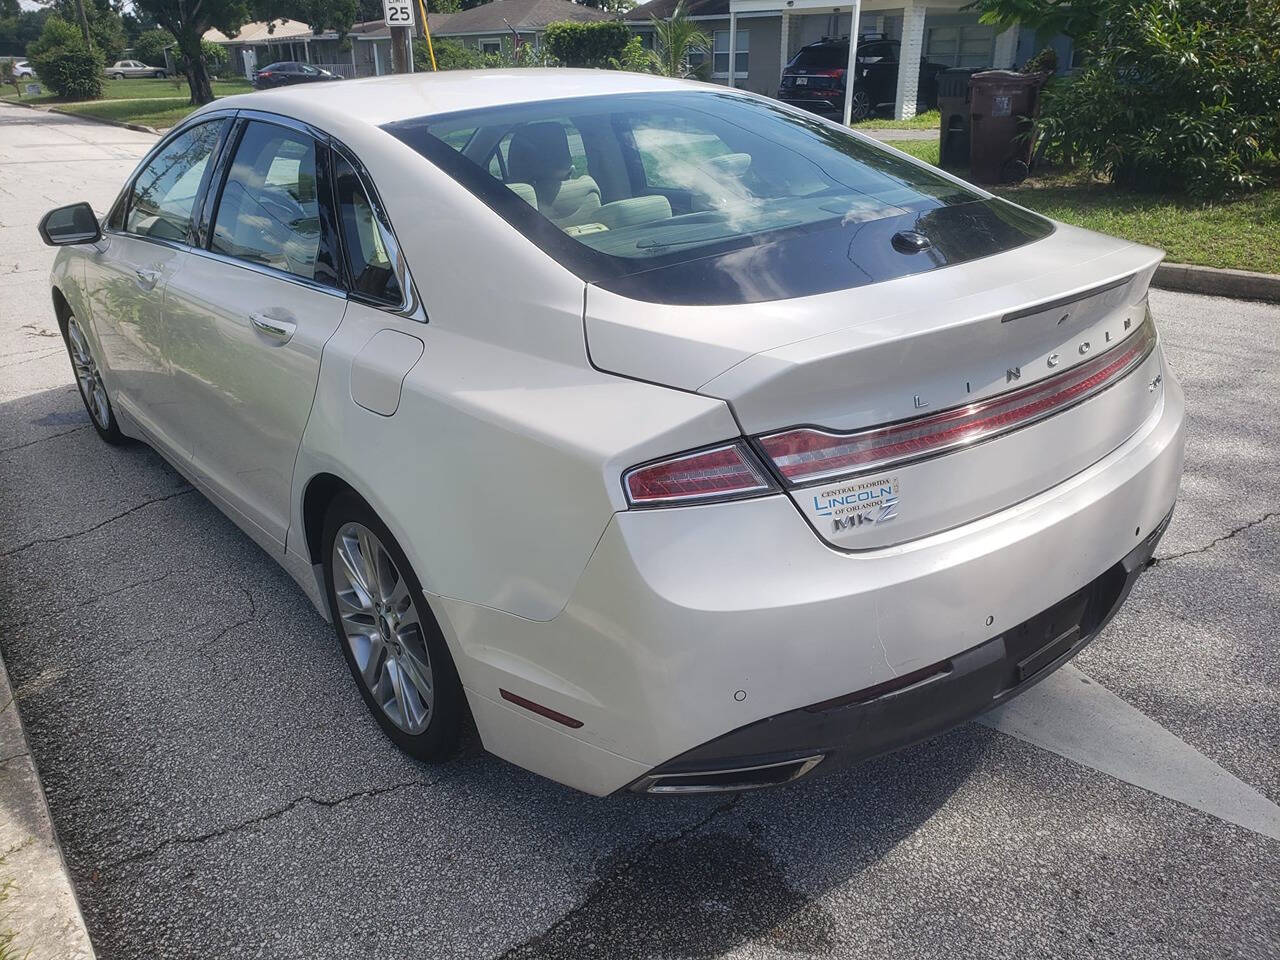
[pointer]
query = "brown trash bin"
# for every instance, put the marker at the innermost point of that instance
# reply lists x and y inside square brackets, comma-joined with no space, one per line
[999,102]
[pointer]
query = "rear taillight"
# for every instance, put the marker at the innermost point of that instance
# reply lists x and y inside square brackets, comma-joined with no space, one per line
[807,454]
[728,472]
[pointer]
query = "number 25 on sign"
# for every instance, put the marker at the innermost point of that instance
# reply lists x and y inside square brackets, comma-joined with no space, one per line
[398,13]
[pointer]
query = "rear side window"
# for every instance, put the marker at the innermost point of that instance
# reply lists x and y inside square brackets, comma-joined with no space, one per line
[270,211]
[370,246]
[824,57]
[166,189]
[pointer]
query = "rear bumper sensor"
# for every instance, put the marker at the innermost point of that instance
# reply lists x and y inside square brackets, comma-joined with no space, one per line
[835,733]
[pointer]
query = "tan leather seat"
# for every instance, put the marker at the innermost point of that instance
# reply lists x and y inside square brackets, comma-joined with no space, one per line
[539,156]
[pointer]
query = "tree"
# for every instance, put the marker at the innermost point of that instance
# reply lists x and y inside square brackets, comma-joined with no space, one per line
[612,6]
[674,40]
[70,68]
[150,46]
[1078,19]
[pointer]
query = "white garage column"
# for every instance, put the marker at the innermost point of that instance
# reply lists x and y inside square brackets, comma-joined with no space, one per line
[785,31]
[1006,49]
[733,47]
[851,71]
[909,53]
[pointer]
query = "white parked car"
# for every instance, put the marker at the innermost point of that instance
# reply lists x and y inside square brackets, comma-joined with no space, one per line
[22,70]
[688,441]
[133,68]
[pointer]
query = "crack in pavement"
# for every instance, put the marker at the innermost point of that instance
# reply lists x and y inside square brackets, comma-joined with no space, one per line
[242,622]
[1218,541]
[80,533]
[202,838]
[602,884]
[32,443]
[18,363]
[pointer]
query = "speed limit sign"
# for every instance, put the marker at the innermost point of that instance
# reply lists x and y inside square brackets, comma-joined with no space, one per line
[398,13]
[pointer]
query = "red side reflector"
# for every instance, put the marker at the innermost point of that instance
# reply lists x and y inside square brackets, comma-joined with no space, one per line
[806,455]
[539,709]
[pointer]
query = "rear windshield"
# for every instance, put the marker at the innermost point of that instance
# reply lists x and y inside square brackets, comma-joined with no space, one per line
[825,57]
[619,186]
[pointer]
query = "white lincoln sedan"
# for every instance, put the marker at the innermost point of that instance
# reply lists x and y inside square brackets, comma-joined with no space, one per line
[685,441]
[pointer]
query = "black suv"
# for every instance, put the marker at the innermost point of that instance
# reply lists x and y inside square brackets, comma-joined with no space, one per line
[814,79]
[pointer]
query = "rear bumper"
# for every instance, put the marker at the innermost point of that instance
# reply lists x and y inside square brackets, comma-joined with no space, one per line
[690,626]
[820,105]
[836,733]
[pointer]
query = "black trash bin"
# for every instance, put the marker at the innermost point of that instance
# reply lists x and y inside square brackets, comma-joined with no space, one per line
[1001,104]
[953,104]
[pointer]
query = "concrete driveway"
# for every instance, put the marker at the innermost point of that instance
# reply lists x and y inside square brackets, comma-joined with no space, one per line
[220,791]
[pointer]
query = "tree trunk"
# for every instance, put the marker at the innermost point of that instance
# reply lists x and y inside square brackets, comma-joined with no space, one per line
[197,73]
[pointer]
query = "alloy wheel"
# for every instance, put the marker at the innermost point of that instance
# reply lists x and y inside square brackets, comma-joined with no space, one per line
[861,108]
[383,628]
[87,376]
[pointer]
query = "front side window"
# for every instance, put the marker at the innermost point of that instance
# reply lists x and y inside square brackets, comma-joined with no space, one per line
[710,196]
[165,191]
[369,244]
[270,210]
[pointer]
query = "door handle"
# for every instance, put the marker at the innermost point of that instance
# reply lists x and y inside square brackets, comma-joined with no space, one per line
[281,330]
[147,278]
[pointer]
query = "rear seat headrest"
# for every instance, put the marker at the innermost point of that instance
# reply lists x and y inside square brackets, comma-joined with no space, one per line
[538,152]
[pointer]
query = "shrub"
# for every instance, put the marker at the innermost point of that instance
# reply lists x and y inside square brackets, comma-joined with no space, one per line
[1181,95]
[450,55]
[598,44]
[149,47]
[635,58]
[63,64]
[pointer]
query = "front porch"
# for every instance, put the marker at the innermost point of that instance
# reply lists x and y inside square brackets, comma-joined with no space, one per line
[932,30]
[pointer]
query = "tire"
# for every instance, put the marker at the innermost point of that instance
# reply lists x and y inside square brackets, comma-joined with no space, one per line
[117,76]
[861,108]
[159,74]
[93,392]
[389,637]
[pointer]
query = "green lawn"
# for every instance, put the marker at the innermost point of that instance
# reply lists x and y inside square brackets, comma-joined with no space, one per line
[929,120]
[153,103]
[1242,233]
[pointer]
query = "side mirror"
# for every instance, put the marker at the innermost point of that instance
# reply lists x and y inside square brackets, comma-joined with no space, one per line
[70,225]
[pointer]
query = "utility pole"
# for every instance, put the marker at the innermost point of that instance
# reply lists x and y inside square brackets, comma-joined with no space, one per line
[399,17]
[84,24]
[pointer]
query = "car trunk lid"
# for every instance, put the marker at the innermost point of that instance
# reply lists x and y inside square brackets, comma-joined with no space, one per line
[907,348]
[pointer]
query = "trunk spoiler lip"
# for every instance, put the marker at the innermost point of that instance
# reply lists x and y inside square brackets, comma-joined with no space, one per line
[1068,299]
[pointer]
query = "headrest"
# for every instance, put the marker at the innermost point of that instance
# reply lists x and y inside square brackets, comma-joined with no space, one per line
[539,151]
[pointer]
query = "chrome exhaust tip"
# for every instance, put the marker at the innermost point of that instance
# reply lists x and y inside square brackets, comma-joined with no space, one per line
[729,780]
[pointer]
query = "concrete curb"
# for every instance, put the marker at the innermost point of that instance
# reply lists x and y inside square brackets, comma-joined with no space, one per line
[53,108]
[41,910]
[1217,282]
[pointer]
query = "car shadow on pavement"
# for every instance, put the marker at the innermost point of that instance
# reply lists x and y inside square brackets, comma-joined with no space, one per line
[193,717]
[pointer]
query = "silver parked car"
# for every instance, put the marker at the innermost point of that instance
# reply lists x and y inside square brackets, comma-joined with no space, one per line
[134,68]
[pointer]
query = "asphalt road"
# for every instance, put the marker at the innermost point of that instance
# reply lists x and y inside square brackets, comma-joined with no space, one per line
[220,791]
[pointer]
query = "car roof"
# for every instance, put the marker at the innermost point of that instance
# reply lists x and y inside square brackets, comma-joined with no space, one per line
[380,100]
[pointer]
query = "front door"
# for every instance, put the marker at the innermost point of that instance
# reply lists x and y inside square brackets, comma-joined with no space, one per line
[248,319]
[143,246]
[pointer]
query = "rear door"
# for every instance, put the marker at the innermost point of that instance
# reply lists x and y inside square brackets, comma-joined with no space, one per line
[250,314]
[145,243]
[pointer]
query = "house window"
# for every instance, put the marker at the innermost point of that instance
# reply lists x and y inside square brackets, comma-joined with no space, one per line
[491,46]
[720,66]
[971,45]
